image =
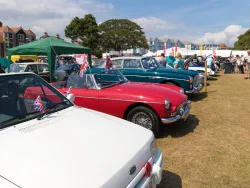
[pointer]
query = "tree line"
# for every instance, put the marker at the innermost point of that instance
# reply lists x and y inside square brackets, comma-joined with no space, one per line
[114,34]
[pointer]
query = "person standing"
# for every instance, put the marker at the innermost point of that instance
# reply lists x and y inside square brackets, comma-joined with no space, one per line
[163,60]
[210,62]
[179,63]
[170,60]
[248,64]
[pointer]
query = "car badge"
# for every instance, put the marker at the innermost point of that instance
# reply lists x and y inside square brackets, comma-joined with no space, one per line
[132,170]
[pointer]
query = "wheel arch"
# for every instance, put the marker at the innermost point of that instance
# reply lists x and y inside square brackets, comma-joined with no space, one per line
[130,107]
[172,81]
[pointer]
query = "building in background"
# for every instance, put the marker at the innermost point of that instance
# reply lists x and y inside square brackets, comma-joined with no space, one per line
[13,36]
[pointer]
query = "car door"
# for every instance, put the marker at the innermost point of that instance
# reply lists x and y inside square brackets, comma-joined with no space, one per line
[132,69]
[43,71]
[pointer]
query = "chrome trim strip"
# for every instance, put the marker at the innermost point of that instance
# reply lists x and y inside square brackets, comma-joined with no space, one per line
[119,100]
[156,77]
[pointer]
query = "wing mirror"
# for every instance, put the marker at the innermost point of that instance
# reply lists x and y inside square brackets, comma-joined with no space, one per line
[71,97]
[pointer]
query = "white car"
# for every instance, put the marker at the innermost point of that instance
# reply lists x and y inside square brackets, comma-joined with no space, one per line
[47,142]
[210,72]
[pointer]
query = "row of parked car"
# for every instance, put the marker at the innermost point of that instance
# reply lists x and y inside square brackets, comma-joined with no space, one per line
[61,144]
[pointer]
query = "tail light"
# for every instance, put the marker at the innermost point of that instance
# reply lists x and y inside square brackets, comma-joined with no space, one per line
[148,169]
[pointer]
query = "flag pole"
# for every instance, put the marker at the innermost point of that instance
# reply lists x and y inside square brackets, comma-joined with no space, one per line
[205,77]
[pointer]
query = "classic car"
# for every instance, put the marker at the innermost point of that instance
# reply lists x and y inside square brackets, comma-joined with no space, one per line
[147,104]
[199,69]
[41,69]
[148,69]
[62,145]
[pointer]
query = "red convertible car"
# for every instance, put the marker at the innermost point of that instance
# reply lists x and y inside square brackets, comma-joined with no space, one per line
[145,104]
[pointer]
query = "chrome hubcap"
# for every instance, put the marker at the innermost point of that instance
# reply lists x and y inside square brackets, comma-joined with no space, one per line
[143,120]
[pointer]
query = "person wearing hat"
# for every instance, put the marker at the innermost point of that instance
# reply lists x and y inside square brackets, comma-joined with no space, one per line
[179,63]
[170,60]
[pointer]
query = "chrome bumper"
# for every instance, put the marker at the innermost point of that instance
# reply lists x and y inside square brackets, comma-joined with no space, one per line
[195,89]
[184,115]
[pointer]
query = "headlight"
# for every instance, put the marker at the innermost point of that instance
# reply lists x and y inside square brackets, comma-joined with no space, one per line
[167,104]
[153,148]
[181,90]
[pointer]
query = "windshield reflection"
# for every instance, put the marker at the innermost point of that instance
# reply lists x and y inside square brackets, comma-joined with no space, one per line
[109,78]
[18,96]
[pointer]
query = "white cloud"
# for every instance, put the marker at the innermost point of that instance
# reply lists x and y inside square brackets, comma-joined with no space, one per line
[153,23]
[51,16]
[228,35]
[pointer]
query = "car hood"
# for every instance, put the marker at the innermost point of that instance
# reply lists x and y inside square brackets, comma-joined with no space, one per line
[146,92]
[75,147]
[178,71]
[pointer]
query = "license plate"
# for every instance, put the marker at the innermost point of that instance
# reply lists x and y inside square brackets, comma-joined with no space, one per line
[186,116]
[151,183]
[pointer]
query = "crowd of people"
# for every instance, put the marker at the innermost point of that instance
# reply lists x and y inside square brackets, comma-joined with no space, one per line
[241,64]
[176,62]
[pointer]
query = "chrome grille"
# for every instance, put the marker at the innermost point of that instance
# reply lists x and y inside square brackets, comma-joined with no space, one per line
[198,79]
[181,107]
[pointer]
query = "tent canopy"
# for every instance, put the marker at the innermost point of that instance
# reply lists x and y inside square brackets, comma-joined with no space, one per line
[51,47]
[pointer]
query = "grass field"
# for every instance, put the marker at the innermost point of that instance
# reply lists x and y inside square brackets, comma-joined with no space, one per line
[211,149]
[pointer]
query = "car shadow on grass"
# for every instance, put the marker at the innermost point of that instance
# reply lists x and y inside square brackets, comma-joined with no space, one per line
[197,96]
[170,180]
[212,79]
[180,128]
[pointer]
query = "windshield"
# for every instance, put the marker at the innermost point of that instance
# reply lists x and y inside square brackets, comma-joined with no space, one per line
[150,63]
[24,97]
[109,78]
[16,68]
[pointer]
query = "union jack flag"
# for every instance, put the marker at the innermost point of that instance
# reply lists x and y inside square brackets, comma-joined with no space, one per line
[68,92]
[38,105]
[83,68]
[109,64]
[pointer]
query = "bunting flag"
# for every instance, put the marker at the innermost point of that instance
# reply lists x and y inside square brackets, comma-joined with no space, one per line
[176,48]
[38,105]
[109,64]
[201,48]
[165,48]
[83,67]
[214,54]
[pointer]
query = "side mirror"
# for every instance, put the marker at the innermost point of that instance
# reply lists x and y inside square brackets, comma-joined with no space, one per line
[71,97]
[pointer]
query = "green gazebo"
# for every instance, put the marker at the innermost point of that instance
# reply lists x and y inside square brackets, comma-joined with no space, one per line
[50,47]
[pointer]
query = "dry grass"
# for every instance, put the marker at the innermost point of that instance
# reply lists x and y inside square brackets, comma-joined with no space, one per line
[211,149]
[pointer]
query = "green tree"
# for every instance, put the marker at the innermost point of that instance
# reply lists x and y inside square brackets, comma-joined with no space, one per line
[121,34]
[243,42]
[85,29]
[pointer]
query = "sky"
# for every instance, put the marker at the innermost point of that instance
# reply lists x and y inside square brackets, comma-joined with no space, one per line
[210,21]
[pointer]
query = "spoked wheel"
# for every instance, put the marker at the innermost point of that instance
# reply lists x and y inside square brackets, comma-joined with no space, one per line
[145,117]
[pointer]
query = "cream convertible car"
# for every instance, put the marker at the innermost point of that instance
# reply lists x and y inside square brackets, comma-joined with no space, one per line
[47,142]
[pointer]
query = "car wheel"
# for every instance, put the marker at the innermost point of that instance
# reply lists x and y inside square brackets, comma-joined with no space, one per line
[145,117]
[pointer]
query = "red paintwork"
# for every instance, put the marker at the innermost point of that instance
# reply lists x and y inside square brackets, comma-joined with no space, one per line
[115,100]
[33,92]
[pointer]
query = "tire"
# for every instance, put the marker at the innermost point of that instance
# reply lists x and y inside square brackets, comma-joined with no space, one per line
[153,122]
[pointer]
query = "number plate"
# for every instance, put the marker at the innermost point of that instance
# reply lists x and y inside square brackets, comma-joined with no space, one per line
[151,183]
